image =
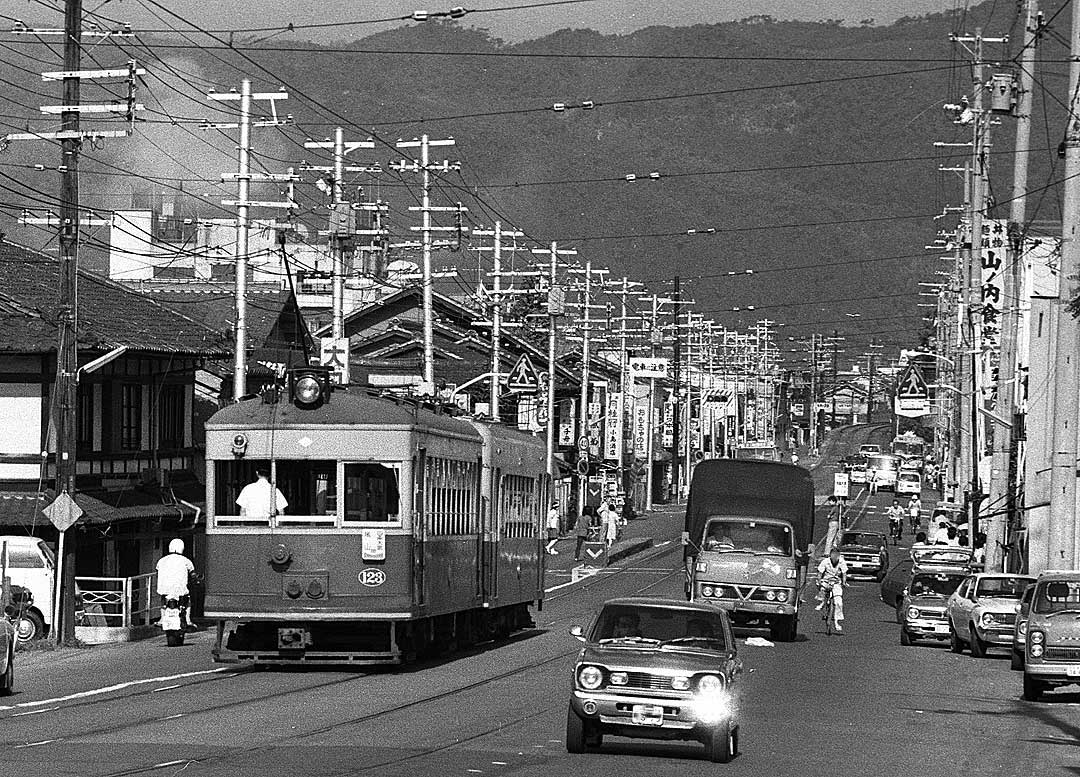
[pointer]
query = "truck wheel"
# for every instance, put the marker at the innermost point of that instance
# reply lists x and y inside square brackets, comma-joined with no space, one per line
[174,638]
[720,744]
[1033,689]
[784,628]
[30,626]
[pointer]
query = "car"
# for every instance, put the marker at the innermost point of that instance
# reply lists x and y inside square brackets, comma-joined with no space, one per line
[858,472]
[909,482]
[982,611]
[1020,629]
[922,607]
[656,669]
[930,558]
[32,564]
[1052,655]
[869,449]
[866,553]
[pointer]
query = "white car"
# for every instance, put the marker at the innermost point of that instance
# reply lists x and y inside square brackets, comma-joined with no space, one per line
[908,482]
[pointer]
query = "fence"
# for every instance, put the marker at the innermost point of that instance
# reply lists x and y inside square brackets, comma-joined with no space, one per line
[119,601]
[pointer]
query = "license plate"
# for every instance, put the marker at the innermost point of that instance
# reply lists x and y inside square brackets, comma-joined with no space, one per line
[650,715]
[1073,671]
[941,628]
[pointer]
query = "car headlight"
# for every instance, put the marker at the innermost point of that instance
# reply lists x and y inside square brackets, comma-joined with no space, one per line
[590,677]
[987,618]
[1036,637]
[770,595]
[680,683]
[1036,651]
[781,596]
[707,590]
[1021,628]
[618,678]
[913,612]
[710,683]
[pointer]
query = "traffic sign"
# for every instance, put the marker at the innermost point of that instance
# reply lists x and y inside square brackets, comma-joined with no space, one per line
[523,376]
[841,482]
[583,466]
[912,393]
[63,512]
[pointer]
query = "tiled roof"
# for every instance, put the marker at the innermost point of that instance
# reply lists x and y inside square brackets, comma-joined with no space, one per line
[23,508]
[109,314]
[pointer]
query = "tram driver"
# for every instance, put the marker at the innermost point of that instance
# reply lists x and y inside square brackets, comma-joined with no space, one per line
[255,499]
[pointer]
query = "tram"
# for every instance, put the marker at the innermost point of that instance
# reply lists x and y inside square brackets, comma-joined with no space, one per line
[407,531]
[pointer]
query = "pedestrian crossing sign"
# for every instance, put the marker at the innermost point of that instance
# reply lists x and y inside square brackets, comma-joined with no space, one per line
[912,393]
[523,376]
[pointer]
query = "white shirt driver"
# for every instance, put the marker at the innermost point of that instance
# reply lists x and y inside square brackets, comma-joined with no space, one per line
[255,500]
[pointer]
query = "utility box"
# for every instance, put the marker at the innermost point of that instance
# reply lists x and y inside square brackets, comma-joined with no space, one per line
[1003,93]
[342,220]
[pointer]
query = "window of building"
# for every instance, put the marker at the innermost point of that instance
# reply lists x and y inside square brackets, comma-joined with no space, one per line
[130,416]
[171,416]
[84,418]
[371,492]
[451,497]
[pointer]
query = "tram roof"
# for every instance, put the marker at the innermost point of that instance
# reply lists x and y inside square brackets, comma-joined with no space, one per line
[345,408]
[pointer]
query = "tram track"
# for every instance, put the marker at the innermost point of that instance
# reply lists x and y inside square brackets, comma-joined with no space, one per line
[395,709]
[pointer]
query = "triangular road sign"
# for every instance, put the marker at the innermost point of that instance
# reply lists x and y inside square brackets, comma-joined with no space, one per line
[523,376]
[912,384]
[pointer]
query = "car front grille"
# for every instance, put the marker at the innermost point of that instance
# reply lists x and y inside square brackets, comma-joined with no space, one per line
[646,681]
[931,613]
[1062,654]
[862,558]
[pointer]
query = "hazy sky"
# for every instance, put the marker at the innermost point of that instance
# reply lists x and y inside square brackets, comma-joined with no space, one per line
[608,16]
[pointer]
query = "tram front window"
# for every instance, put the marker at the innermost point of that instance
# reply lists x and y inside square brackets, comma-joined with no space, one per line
[308,488]
[371,493]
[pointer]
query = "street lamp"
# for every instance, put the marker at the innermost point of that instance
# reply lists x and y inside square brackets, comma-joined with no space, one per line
[909,353]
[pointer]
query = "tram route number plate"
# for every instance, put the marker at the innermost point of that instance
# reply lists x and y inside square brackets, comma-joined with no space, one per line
[647,715]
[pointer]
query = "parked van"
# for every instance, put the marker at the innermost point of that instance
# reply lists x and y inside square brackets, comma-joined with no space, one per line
[32,564]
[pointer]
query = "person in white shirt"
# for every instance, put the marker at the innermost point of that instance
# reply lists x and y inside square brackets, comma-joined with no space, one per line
[552,529]
[255,499]
[832,575]
[941,534]
[173,571]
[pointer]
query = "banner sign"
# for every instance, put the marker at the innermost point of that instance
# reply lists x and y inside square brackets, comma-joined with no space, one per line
[641,429]
[566,422]
[613,428]
[648,367]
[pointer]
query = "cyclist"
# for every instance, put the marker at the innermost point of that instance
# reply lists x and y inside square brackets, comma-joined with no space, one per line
[832,576]
[914,509]
[895,515]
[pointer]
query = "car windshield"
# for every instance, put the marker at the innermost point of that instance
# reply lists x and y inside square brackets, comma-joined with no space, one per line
[727,535]
[652,624]
[1057,596]
[912,477]
[860,538]
[935,585]
[882,462]
[950,556]
[1003,587]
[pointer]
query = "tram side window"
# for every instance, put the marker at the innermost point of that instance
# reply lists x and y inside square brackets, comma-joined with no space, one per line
[518,508]
[450,497]
[311,488]
[371,493]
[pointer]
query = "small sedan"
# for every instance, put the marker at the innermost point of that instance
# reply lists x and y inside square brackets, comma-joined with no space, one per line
[982,612]
[1023,611]
[908,482]
[922,610]
[656,669]
[866,553]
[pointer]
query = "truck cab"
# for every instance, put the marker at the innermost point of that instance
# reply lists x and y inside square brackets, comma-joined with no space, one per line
[746,523]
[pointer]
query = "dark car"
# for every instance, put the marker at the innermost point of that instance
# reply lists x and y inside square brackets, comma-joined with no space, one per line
[922,610]
[866,553]
[931,558]
[656,669]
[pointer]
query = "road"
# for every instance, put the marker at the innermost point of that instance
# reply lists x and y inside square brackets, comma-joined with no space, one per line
[858,703]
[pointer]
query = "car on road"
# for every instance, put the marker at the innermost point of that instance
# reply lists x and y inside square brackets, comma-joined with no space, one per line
[982,611]
[858,473]
[866,553]
[1052,657]
[922,608]
[656,669]
[869,449]
[928,558]
[909,481]
[1023,610]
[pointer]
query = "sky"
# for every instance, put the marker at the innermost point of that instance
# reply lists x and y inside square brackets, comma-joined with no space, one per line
[606,16]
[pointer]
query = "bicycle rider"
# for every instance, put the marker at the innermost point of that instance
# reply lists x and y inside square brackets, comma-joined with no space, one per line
[914,509]
[895,514]
[832,576]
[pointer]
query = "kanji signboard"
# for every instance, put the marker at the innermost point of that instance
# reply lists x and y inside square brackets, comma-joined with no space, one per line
[334,353]
[648,367]
[523,376]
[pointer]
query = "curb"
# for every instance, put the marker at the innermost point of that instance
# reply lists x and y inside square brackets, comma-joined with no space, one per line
[625,548]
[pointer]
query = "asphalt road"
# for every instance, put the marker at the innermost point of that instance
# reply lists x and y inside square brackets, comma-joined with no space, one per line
[853,704]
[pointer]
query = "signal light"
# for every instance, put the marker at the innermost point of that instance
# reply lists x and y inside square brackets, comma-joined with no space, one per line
[309,386]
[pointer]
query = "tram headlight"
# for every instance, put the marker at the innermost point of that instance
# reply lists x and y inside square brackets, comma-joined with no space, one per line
[309,386]
[307,390]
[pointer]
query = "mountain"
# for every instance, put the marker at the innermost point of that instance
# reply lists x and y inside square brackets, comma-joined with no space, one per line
[807,147]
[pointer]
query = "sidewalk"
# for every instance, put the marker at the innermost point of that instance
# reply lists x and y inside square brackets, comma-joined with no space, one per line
[663,523]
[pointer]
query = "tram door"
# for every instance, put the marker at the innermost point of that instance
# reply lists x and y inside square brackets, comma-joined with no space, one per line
[420,503]
[492,538]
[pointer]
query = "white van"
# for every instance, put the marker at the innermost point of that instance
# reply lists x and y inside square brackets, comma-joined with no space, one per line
[32,564]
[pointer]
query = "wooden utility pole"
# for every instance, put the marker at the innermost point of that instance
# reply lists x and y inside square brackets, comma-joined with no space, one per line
[1062,552]
[1002,486]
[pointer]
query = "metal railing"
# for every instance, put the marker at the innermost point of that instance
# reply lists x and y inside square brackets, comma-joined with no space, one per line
[119,601]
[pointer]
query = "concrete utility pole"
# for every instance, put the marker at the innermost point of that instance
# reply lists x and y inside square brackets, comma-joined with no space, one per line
[243,203]
[676,408]
[342,223]
[1002,486]
[626,384]
[1062,551]
[427,244]
[556,307]
[586,338]
[498,234]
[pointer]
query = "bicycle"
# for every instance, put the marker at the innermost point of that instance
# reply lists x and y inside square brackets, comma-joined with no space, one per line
[828,610]
[896,530]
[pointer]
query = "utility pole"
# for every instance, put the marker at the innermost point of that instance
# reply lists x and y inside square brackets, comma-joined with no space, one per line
[813,392]
[676,409]
[497,293]
[1002,486]
[243,203]
[626,383]
[427,244]
[342,223]
[556,307]
[1062,535]
[586,338]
